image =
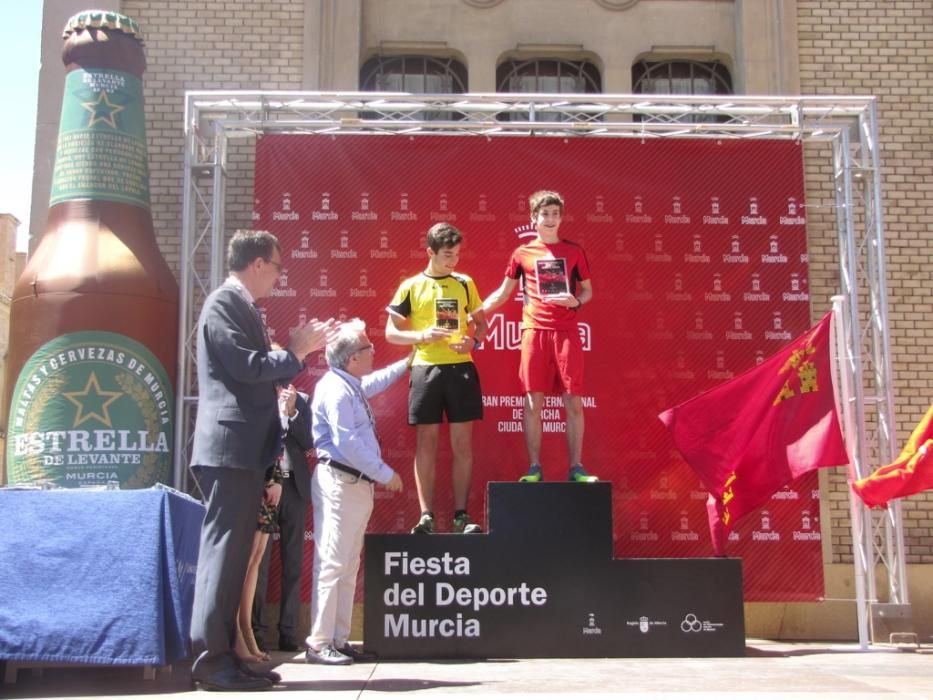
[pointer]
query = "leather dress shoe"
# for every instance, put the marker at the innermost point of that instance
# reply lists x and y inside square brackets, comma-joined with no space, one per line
[287,643]
[358,655]
[269,675]
[231,679]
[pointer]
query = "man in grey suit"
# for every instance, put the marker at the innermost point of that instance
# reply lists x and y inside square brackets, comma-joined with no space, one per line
[291,517]
[236,437]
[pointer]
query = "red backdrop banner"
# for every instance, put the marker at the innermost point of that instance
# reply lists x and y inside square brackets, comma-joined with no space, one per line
[699,262]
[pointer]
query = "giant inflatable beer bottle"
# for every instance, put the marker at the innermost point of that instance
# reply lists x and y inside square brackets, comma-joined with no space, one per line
[93,327]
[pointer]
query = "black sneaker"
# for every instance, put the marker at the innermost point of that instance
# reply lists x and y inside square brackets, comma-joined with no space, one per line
[425,525]
[463,525]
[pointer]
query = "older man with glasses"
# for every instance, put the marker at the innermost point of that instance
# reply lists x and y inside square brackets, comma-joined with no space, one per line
[349,465]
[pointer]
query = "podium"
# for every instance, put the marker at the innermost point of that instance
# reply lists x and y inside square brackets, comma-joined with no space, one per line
[542,583]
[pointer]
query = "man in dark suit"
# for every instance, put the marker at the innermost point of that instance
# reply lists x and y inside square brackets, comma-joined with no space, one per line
[292,514]
[236,437]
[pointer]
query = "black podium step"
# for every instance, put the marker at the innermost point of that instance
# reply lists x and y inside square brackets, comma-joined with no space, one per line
[542,583]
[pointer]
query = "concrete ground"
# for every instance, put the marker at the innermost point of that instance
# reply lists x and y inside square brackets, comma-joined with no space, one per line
[769,670]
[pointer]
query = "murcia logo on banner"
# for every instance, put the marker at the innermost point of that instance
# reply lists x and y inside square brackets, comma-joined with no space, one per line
[443,214]
[785,494]
[482,214]
[285,213]
[644,533]
[639,217]
[640,293]
[792,218]
[806,533]
[699,332]
[661,331]
[738,331]
[735,254]
[322,290]
[363,290]
[664,492]
[679,294]
[696,255]
[714,217]
[620,253]
[324,213]
[645,623]
[89,408]
[343,250]
[383,251]
[753,218]
[778,332]
[304,250]
[684,534]
[756,294]
[681,371]
[521,211]
[720,373]
[676,216]
[718,294]
[796,293]
[364,213]
[591,627]
[766,534]
[403,213]
[691,624]
[774,255]
[600,217]
[658,255]
[283,290]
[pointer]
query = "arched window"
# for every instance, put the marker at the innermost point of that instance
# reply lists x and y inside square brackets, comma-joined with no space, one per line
[682,77]
[547,75]
[425,75]
[417,74]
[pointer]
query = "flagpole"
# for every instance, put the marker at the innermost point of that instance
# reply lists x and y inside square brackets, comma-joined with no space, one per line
[843,382]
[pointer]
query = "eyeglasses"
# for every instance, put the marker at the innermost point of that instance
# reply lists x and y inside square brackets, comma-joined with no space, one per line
[278,265]
[366,347]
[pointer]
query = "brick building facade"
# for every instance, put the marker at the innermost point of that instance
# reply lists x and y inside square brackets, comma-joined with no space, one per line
[811,47]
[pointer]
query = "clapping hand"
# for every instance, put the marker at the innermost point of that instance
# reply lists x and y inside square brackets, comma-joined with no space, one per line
[314,335]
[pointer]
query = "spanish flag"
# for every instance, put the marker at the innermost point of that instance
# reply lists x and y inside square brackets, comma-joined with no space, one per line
[911,473]
[750,436]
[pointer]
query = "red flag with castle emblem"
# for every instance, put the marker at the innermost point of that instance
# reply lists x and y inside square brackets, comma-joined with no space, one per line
[910,473]
[750,436]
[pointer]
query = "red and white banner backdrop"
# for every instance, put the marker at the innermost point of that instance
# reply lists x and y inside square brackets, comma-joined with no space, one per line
[699,262]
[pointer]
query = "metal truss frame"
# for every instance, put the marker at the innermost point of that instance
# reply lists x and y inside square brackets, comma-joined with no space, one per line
[849,125]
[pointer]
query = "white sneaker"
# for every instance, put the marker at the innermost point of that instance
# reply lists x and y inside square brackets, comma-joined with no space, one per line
[327,655]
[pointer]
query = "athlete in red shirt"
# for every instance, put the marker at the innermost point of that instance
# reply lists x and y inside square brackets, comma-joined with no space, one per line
[556,282]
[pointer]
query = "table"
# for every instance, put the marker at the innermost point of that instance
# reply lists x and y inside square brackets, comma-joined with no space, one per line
[97,577]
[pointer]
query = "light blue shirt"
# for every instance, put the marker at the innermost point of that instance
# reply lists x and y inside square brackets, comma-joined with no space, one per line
[342,423]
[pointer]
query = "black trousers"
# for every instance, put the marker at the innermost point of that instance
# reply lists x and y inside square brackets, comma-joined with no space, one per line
[233,497]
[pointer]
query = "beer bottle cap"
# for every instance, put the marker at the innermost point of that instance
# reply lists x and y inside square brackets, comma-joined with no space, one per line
[102,19]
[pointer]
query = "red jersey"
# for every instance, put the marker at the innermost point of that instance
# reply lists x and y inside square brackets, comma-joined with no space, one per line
[537,312]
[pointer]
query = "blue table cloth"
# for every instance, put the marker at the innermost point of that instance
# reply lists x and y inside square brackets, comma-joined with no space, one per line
[97,577]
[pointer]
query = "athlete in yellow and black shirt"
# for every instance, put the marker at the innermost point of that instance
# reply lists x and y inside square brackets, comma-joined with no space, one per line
[430,311]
